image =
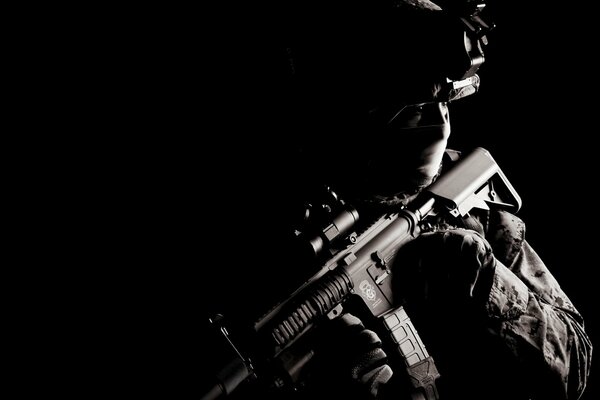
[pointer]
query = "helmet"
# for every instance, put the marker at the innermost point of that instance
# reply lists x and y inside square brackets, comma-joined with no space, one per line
[386,52]
[387,70]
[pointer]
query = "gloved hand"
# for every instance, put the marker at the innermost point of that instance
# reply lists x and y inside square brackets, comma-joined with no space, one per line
[447,265]
[350,360]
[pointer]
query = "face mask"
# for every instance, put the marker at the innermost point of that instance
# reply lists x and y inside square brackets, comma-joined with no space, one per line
[420,135]
[408,152]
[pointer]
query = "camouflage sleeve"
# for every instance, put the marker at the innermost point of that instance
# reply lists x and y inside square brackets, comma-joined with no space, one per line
[532,315]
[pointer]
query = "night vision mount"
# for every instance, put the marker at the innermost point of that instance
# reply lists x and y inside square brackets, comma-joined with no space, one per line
[470,56]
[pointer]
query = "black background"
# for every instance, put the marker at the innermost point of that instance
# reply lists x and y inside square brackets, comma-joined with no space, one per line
[182,106]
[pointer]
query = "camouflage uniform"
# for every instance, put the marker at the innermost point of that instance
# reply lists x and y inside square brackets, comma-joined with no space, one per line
[526,341]
[530,313]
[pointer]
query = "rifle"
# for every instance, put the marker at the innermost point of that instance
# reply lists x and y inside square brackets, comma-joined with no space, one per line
[360,269]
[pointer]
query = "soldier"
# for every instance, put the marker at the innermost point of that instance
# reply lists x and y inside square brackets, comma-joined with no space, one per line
[492,315]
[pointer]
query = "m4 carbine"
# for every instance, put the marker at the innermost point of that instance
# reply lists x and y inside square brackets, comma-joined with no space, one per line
[362,270]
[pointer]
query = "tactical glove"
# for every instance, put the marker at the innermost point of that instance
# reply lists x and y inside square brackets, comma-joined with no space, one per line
[351,359]
[447,265]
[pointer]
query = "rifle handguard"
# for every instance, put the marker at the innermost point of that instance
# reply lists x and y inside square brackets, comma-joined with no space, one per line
[319,301]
